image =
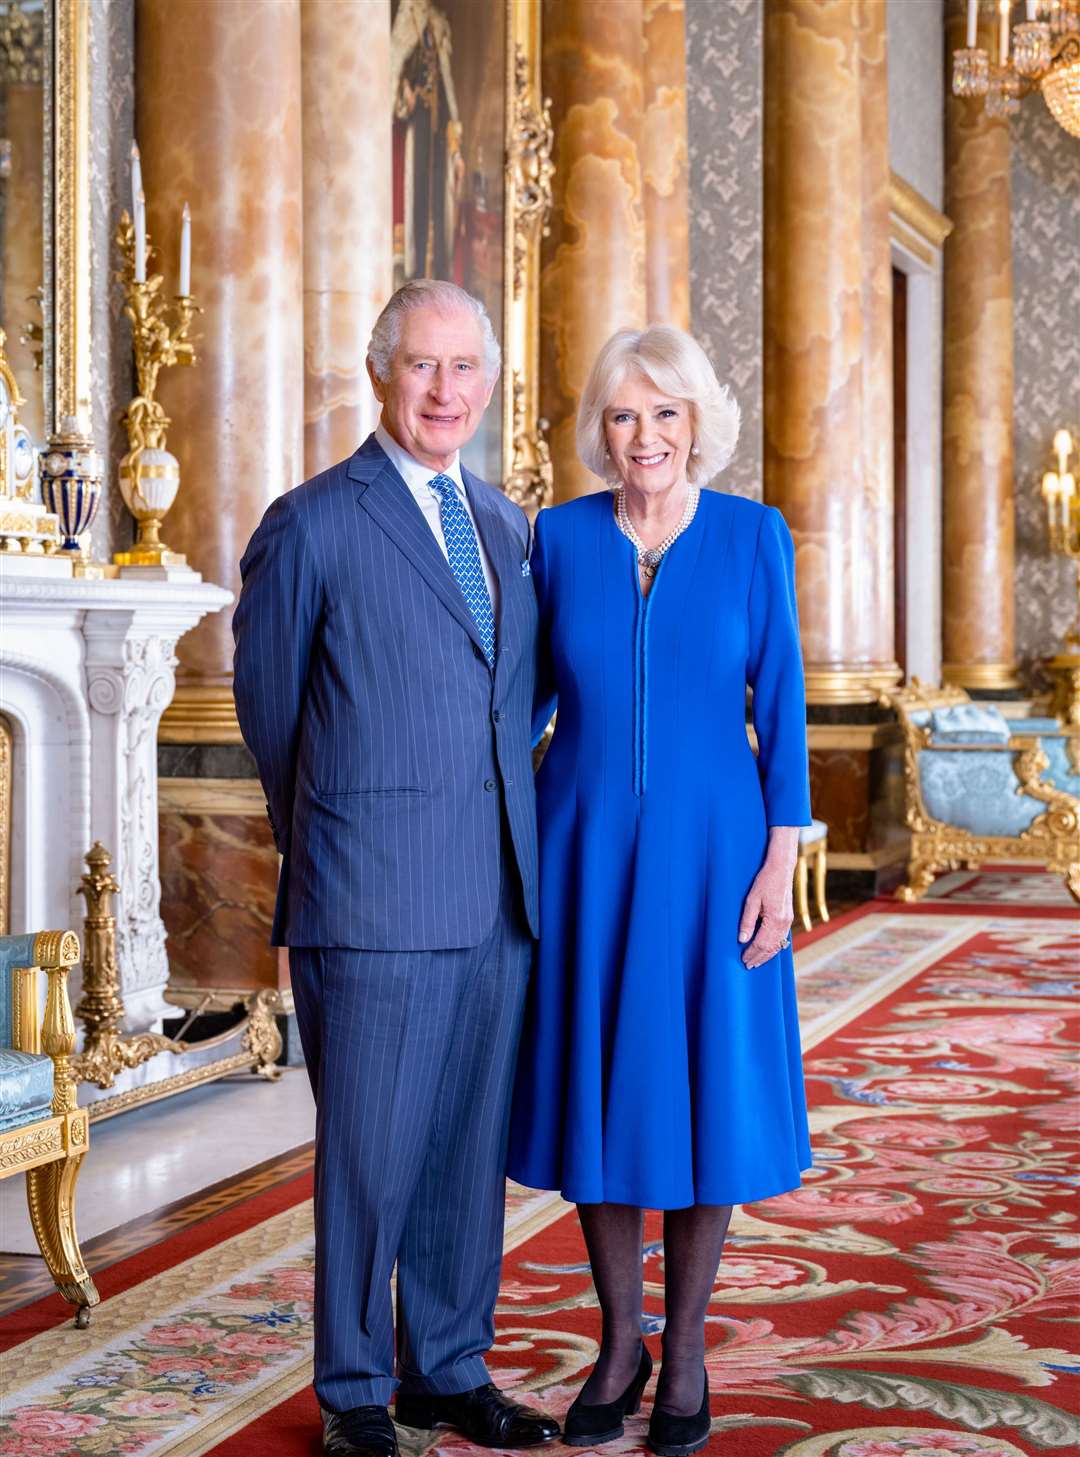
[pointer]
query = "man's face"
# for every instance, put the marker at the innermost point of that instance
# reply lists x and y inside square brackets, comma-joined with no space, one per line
[437,392]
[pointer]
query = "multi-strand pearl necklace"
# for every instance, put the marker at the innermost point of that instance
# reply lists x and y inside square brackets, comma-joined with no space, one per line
[649,557]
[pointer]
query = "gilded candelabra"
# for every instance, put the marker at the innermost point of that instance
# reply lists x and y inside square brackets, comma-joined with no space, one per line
[149,474]
[1062,497]
[1041,53]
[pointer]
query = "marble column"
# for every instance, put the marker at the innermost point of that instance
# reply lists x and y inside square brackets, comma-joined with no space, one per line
[978,531]
[593,261]
[665,164]
[827,333]
[218,119]
[348,242]
[875,522]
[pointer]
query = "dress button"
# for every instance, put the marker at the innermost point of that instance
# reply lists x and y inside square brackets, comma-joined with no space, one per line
[489,785]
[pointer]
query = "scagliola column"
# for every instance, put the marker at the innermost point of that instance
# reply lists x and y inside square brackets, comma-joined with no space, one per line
[593,261]
[827,340]
[874,523]
[665,164]
[218,119]
[978,526]
[347,101]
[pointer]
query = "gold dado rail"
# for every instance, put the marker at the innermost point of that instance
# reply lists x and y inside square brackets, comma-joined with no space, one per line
[108,1052]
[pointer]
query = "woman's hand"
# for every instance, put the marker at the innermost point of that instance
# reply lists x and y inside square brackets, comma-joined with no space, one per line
[769,900]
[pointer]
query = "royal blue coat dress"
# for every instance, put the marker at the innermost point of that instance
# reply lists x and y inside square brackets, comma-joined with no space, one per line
[655,1069]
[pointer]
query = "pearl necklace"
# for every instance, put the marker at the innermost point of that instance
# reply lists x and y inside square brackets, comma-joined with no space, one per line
[649,557]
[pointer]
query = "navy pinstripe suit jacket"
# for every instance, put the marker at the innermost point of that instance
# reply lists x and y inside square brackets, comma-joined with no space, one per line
[383,740]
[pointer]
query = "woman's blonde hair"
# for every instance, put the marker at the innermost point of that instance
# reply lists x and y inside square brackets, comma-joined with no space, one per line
[675,364]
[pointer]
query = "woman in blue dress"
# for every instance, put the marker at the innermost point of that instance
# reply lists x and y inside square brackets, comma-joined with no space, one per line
[660,1064]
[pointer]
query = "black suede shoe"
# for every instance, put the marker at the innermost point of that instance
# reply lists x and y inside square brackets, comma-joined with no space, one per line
[675,1436]
[589,1425]
[365,1431]
[484,1415]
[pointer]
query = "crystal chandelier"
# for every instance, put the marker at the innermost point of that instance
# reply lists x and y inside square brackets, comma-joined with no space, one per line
[1041,53]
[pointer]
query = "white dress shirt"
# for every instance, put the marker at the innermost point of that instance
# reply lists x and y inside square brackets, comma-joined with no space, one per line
[417,478]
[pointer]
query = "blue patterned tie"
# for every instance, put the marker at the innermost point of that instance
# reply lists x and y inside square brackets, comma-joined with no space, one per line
[464,554]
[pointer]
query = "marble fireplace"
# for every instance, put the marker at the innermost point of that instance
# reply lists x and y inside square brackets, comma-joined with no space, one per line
[86,671]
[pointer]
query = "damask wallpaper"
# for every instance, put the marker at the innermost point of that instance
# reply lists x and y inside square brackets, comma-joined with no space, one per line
[724,106]
[1045,179]
[917,95]
[112,120]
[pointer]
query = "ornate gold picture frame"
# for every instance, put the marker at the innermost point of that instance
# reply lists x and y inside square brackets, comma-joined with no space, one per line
[471,160]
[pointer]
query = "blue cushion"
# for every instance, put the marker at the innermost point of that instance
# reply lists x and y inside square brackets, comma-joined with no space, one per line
[814,831]
[14,951]
[1033,725]
[969,723]
[976,791]
[26,1088]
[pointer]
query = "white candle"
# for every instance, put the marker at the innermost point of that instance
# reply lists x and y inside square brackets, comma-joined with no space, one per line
[1032,7]
[140,238]
[1005,4]
[973,24]
[136,176]
[185,251]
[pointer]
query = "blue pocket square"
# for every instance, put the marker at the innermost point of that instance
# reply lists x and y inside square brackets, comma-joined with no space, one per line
[526,570]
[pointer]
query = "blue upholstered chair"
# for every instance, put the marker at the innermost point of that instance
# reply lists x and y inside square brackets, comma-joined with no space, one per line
[43,1133]
[982,787]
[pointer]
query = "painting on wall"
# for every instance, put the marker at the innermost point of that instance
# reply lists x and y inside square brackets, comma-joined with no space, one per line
[449,142]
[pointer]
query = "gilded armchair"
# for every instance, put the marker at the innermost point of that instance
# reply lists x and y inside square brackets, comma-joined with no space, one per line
[43,1133]
[979,787]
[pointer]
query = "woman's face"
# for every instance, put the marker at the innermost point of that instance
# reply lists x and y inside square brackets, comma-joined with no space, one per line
[649,436]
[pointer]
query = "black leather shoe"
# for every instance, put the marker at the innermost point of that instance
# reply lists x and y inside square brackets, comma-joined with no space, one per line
[675,1436]
[365,1431]
[484,1415]
[589,1425]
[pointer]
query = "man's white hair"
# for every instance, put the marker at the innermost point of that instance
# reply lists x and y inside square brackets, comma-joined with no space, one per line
[427,293]
[675,364]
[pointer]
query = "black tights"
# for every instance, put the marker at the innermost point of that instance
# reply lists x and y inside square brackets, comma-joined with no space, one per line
[693,1244]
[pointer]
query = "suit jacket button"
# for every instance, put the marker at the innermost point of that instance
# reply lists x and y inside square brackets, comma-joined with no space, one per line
[496,716]
[489,784]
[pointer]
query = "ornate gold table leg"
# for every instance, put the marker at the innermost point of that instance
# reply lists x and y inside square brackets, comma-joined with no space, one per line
[922,869]
[821,862]
[50,1194]
[802,899]
[50,1188]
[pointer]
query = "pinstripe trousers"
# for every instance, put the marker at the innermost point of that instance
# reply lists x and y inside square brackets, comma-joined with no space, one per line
[411,1058]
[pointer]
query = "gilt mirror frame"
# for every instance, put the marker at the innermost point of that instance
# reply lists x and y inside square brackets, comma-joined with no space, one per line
[527,474]
[67,300]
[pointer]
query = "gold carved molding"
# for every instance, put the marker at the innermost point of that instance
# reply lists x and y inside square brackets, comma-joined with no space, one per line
[527,473]
[912,209]
[200,715]
[840,685]
[981,676]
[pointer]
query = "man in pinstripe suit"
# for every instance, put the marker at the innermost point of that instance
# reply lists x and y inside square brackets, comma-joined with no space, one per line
[385,659]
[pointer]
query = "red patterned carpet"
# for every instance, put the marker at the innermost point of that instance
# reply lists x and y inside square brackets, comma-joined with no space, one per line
[919,1295]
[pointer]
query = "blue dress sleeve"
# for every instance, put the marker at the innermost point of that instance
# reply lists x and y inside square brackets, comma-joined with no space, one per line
[546,695]
[274,628]
[775,673]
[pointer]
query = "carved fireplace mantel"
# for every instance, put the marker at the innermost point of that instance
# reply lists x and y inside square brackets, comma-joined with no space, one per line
[86,671]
